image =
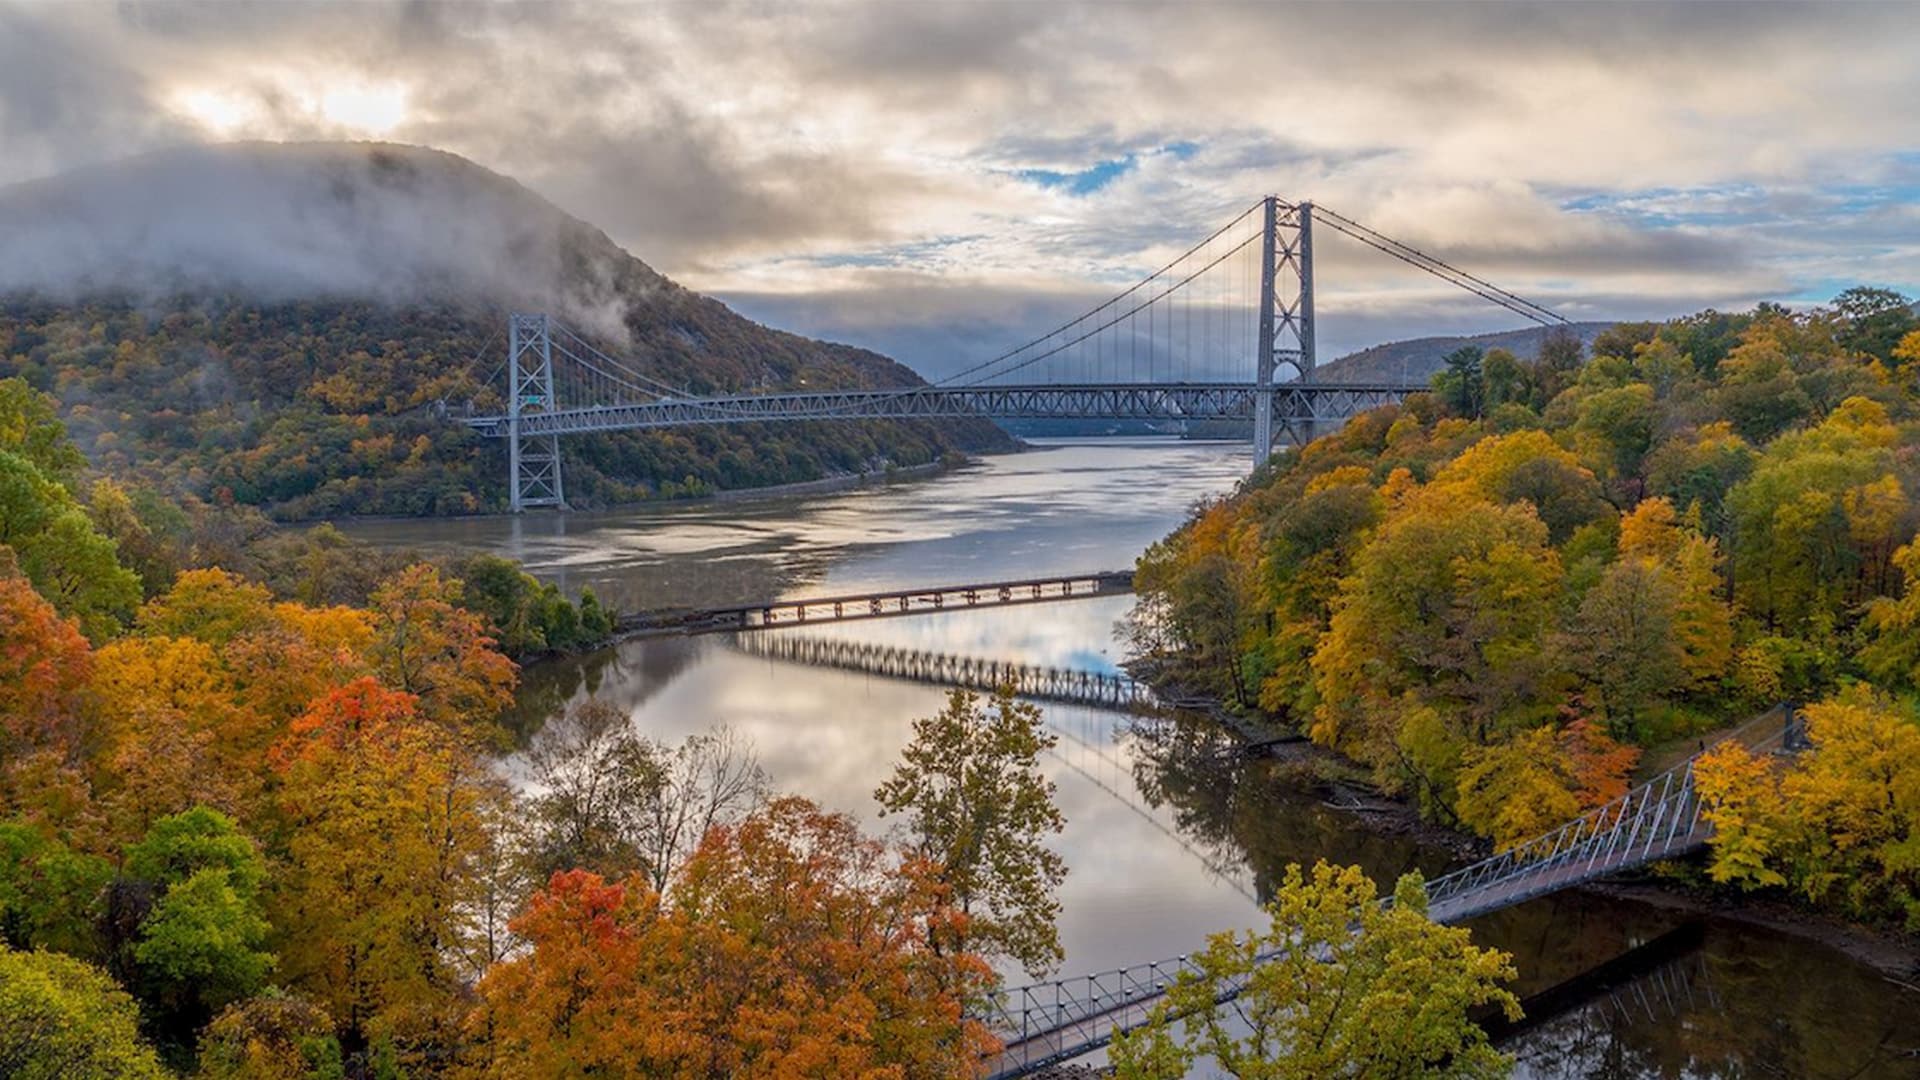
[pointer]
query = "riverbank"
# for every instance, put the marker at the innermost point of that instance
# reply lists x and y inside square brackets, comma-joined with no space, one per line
[1343,786]
[839,482]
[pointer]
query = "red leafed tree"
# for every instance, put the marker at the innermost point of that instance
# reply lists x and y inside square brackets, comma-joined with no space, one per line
[44,661]
[790,945]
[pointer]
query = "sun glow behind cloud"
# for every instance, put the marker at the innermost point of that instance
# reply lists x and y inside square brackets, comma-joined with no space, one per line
[375,108]
[220,113]
[282,104]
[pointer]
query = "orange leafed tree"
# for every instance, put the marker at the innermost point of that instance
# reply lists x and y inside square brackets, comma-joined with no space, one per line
[381,817]
[429,646]
[1541,779]
[790,945]
[1601,769]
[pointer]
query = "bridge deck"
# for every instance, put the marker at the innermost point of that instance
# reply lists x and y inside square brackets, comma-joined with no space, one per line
[808,611]
[1293,402]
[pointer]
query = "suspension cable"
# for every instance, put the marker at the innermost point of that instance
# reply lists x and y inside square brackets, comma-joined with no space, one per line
[1453,275]
[1117,319]
[1063,328]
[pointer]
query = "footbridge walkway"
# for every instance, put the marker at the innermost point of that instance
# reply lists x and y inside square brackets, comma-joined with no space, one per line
[1050,1022]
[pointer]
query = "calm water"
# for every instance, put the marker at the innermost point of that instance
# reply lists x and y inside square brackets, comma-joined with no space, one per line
[1166,839]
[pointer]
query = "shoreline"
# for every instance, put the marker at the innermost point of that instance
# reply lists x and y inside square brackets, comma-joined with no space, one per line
[1891,953]
[837,482]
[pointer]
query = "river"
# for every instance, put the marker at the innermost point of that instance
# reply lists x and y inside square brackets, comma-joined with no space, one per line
[1166,839]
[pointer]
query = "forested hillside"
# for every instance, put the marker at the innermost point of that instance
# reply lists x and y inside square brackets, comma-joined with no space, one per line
[294,359]
[1497,594]
[1419,358]
[251,826]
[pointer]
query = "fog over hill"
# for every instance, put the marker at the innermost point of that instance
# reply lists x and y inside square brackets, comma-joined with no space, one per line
[311,220]
[205,313]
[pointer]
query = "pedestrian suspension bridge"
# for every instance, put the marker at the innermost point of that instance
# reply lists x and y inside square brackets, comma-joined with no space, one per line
[1225,331]
[1048,1022]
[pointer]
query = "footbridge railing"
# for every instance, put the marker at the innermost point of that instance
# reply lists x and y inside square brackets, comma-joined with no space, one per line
[1049,1022]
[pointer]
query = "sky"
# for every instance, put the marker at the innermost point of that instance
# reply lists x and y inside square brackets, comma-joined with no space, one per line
[935,178]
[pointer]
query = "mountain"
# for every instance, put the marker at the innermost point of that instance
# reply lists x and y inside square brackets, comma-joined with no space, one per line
[1419,358]
[274,324]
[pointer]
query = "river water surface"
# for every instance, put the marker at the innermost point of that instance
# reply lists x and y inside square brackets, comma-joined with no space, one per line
[1168,837]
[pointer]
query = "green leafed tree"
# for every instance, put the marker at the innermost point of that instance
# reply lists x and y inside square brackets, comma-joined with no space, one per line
[1460,383]
[979,809]
[1353,989]
[202,944]
[30,426]
[61,1019]
[70,562]
[49,894]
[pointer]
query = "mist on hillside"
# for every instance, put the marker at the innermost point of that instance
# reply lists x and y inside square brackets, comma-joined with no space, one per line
[279,222]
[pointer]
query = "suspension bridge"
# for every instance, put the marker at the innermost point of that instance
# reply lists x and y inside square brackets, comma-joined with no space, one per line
[1239,301]
[1049,1022]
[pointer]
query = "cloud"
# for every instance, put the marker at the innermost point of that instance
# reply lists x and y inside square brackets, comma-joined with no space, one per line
[317,220]
[1612,160]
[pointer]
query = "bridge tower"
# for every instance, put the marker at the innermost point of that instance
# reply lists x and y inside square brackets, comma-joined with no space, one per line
[533,461]
[1286,312]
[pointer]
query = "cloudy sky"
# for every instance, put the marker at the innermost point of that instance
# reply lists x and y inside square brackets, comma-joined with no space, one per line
[896,172]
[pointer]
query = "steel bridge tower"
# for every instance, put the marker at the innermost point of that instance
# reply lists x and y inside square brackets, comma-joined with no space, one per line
[1286,313]
[533,461]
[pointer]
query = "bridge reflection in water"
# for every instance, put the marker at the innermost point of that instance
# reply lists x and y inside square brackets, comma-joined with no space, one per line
[1048,1022]
[1072,686]
[1093,745]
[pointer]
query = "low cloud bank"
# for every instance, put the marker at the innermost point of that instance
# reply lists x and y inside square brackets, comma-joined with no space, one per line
[309,221]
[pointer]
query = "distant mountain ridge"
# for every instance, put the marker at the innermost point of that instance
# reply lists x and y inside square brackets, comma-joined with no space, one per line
[271,322]
[1417,359]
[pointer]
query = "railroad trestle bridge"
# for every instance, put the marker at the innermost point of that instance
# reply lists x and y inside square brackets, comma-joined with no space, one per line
[878,604]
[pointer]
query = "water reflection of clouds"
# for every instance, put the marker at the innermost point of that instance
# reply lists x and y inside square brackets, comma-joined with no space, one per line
[1072,633]
[1135,891]
[1061,508]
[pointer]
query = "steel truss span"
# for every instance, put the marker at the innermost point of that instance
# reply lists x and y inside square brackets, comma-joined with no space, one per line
[1293,403]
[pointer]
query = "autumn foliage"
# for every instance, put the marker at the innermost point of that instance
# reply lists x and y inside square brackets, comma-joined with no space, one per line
[789,945]
[1495,593]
